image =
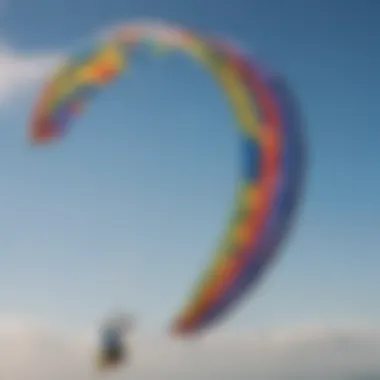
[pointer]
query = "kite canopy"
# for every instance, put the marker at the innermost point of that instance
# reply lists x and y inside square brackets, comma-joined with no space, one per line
[272,149]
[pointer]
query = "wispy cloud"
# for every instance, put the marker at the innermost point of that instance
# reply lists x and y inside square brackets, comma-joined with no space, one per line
[29,352]
[19,72]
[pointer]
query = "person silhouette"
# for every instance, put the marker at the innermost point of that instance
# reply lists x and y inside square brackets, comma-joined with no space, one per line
[113,347]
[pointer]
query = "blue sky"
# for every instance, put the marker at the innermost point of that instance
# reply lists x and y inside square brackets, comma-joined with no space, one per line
[126,210]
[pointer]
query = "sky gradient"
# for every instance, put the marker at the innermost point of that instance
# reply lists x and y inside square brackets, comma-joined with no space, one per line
[127,209]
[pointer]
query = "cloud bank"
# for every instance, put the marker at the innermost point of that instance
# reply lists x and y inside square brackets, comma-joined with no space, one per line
[31,352]
[20,72]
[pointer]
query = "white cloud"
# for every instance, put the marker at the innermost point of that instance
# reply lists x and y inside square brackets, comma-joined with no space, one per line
[19,72]
[29,352]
